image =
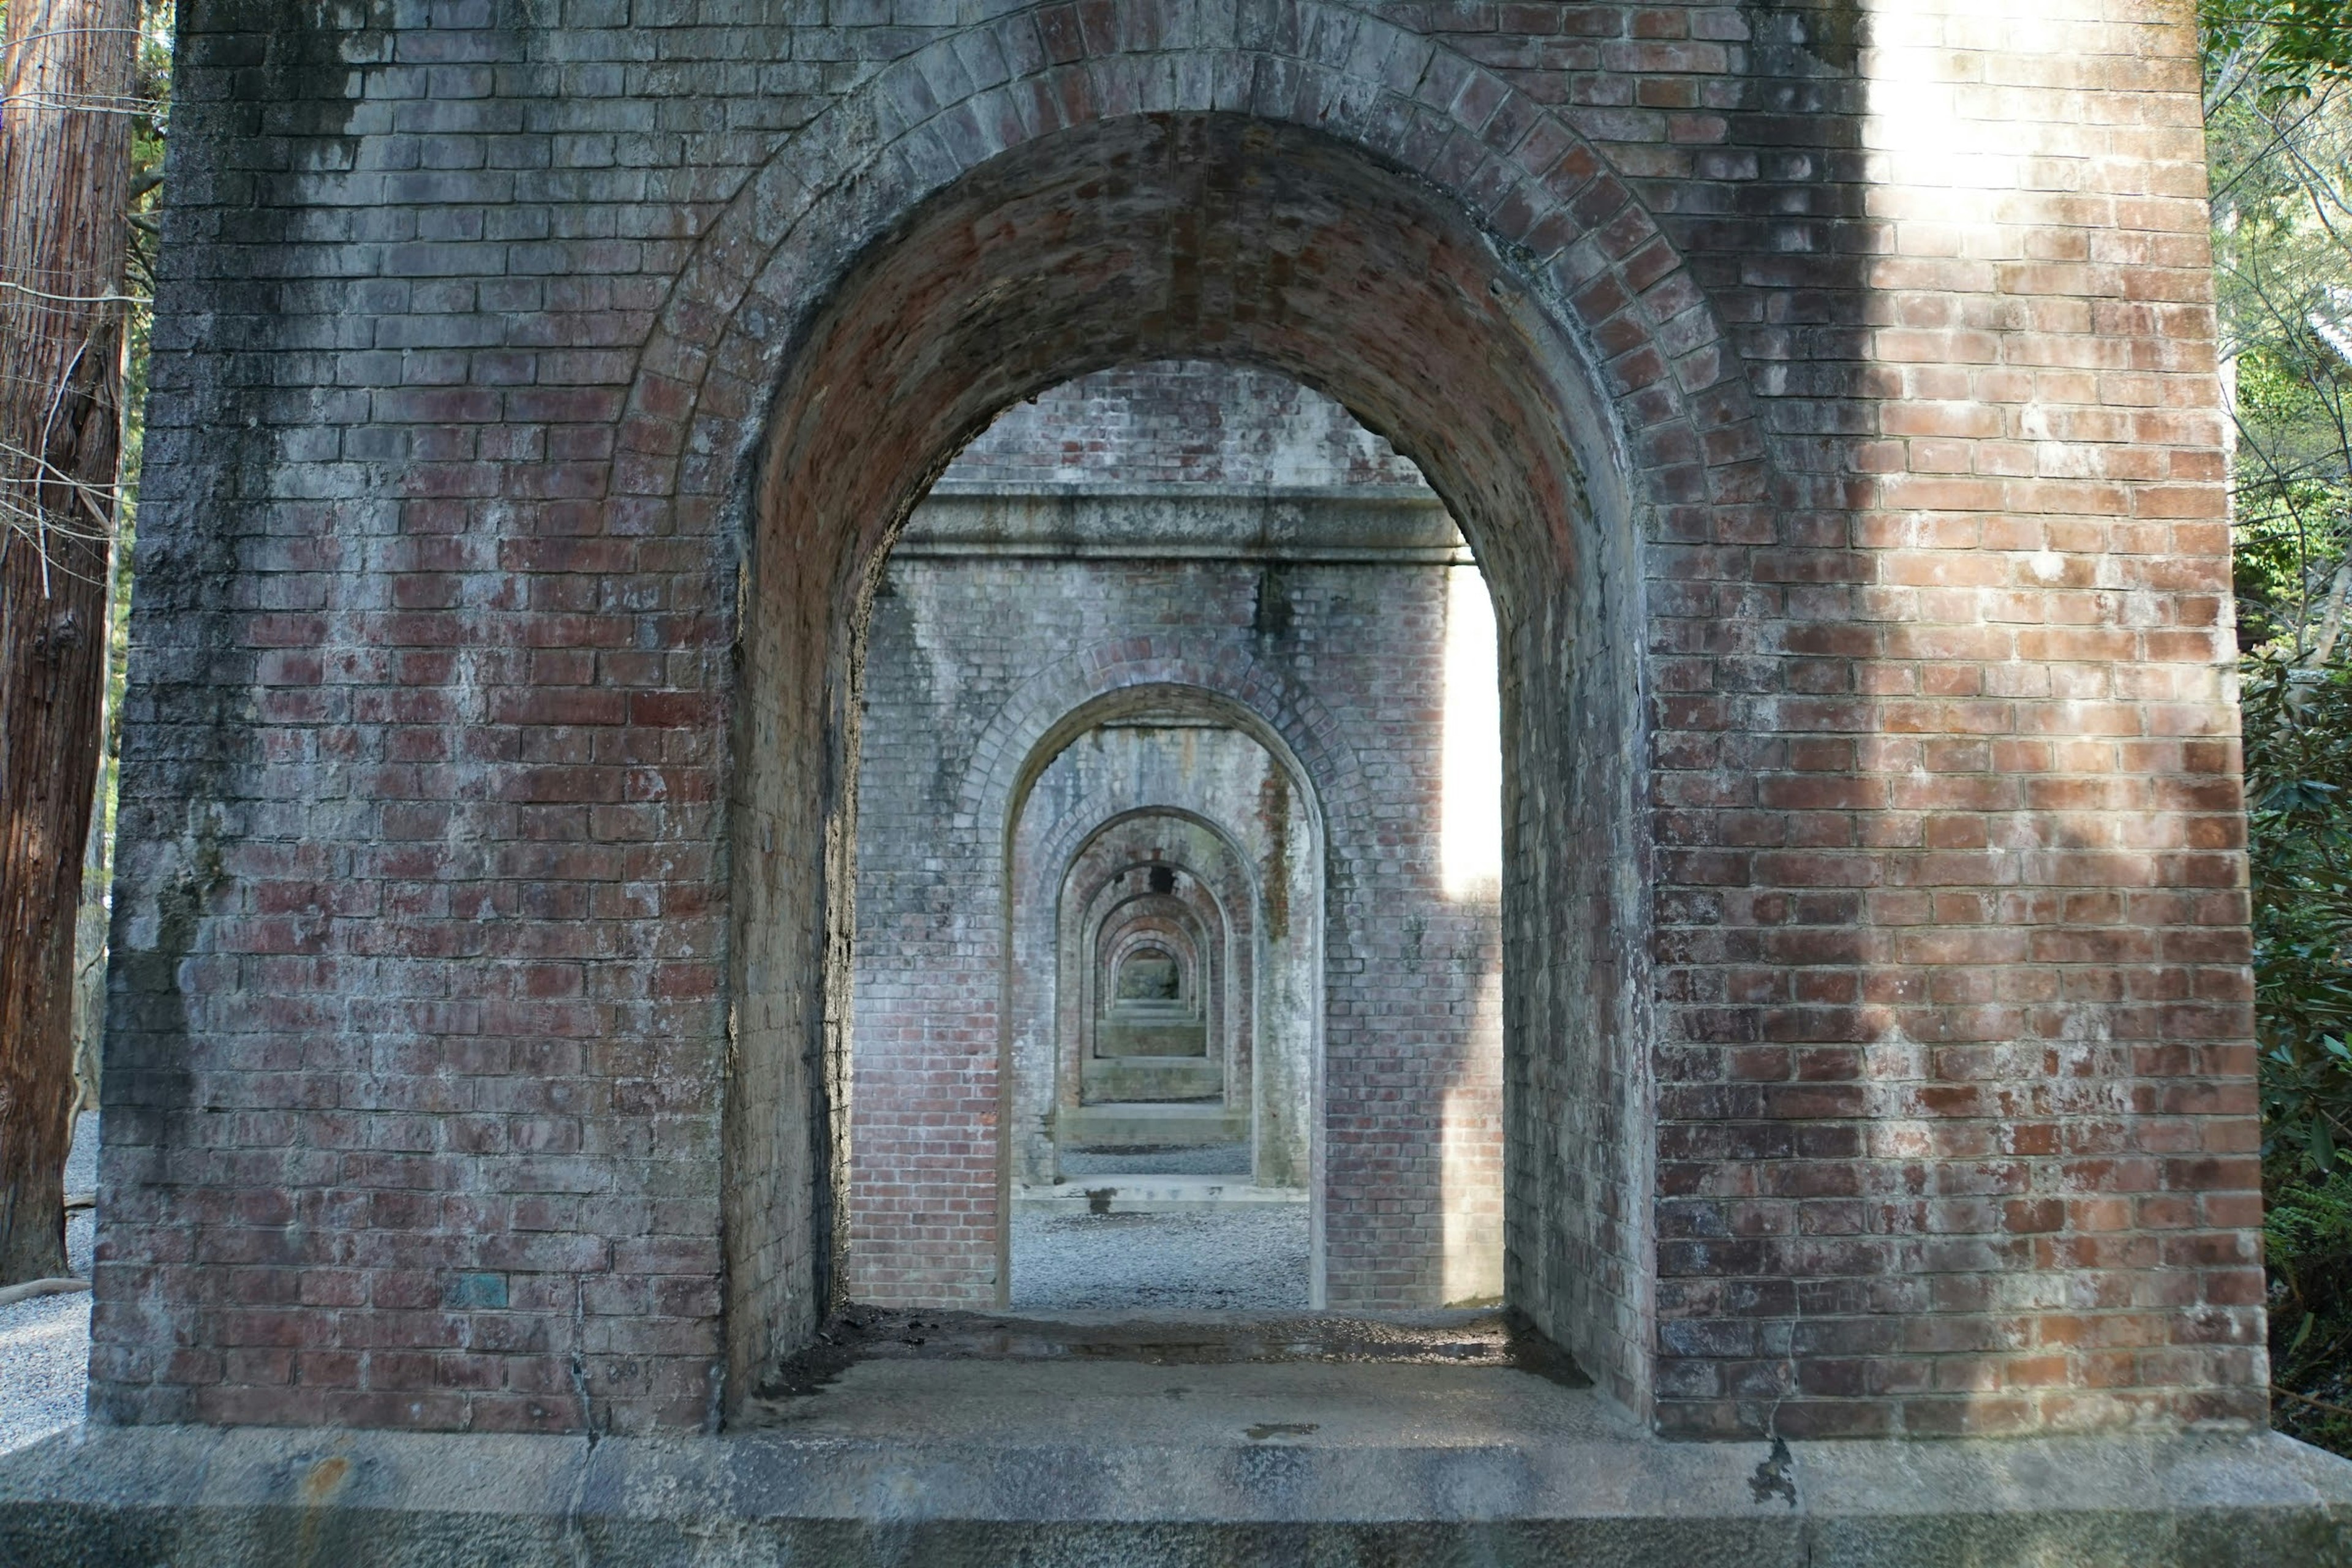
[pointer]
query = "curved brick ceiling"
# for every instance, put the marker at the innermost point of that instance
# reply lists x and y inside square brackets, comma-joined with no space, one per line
[1160,236]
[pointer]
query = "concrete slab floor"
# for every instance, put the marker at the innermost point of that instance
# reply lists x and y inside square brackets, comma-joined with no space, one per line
[1322,1405]
[1175,1443]
[947,1341]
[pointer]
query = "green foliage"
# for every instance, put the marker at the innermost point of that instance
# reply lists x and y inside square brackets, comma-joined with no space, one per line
[2292,504]
[2307,1240]
[2298,730]
[2278,131]
[2278,114]
[2298,727]
[2307,40]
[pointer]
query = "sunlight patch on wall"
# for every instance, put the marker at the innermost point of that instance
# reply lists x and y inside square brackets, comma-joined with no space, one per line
[1470,1153]
[1471,828]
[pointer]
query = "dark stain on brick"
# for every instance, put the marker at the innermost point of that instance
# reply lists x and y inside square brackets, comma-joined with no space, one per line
[1833,32]
[1271,614]
[1274,816]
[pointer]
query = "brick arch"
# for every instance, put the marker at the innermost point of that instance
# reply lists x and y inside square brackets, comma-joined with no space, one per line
[1545,193]
[1062,858]
[1217,677]
[1063,850]
[1287,239]
[1192,957]
[1219,865]
[1188,929]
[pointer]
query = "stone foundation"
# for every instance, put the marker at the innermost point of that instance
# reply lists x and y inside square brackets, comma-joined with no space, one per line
[1087,1491]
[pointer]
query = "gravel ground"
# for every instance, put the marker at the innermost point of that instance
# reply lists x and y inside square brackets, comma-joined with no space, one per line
[1211,1160]
[1243,1259]
[45,1343]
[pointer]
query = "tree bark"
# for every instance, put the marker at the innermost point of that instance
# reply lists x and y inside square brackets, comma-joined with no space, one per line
[66,67]
[90,924]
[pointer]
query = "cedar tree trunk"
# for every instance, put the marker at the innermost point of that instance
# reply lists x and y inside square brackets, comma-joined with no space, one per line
[64,169]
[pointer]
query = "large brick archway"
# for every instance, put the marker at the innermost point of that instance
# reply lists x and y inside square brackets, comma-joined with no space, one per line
[1877,919]
[1559,307]
[1157,236]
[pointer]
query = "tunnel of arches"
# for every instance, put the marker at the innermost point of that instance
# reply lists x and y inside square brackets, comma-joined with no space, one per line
[1234,242]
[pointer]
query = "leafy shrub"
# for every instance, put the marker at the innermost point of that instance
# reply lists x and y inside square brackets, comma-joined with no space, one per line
[2298,730]
[2307,1235]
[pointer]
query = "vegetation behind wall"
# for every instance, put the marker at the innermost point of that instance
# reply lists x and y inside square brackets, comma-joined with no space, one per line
[2278,104]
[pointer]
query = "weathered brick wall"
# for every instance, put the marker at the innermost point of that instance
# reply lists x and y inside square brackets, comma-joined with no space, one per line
[1826,386]
[1129,512]
[1178,422]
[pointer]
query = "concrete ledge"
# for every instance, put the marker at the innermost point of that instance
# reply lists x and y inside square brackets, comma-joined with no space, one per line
[1152,1195]
[190,1497]
[1370,525]
[1149,1125]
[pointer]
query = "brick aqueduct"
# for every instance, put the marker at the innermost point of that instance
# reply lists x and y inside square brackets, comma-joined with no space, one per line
[1827,393]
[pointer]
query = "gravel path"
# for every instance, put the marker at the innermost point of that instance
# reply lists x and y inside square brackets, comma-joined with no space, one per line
[1210,1160]
[45,1343]
[1243,1259]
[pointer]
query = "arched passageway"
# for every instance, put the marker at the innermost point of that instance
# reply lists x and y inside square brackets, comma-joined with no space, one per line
[1265,813]
[1225,237]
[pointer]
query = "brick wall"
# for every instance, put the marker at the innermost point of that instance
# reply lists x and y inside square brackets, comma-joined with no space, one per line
[1178,422]
[1826,388]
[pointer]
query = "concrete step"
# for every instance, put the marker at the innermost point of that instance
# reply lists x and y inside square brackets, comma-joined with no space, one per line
[1152,1195]
[1149,1125]
[1135,1009]
[1177,1035]
[1153,1077]
[1168,1466]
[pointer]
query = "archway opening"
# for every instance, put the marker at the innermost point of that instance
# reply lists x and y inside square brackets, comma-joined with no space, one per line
[1250,1036]
[1224,239]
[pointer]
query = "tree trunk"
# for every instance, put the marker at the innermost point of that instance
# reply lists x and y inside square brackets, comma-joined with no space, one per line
[90,924]
[65,168]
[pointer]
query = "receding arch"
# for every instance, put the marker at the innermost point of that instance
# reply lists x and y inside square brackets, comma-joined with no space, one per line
[1078,877]
[1149,966]
[1152,678]
[1271,891]
[1528,178]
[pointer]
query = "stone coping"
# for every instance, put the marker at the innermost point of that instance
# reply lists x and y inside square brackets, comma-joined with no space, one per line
[1153,1195]
[1370,525]
[924,1462]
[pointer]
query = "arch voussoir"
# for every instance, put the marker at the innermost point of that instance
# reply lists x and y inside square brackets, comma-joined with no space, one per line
[930,118]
